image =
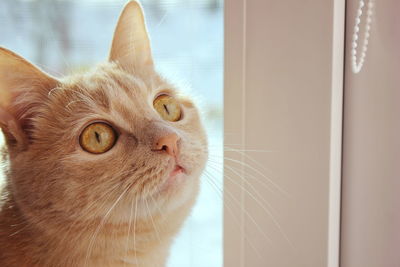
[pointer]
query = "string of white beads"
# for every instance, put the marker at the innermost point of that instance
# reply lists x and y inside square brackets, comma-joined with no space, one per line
[357,66]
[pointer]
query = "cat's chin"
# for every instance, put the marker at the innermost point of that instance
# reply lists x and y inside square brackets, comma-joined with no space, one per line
[174,178]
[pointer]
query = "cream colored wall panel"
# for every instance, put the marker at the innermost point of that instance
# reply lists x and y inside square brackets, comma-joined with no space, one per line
[283,93]
[371,155]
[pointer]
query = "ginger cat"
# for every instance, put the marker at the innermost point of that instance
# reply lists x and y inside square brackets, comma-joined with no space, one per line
[102,168]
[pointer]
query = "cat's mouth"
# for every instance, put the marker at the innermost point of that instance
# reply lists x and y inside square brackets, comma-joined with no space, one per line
[178,169]
[175,176]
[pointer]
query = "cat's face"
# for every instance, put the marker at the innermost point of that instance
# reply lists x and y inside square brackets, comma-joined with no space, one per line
[134,166]
[119,134]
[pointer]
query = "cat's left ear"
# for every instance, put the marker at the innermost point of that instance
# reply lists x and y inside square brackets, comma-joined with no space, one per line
[131,45]
[23,88]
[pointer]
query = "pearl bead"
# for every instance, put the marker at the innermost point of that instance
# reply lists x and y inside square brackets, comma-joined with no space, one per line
[356,67]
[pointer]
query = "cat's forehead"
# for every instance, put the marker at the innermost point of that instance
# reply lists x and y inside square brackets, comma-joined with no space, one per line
[116,82]
[108,84]
[111,93]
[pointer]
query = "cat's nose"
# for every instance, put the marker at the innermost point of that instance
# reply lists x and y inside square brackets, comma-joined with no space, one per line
[167,143]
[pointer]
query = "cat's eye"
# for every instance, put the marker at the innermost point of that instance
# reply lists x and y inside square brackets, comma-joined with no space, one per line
[97,138]
[168,108]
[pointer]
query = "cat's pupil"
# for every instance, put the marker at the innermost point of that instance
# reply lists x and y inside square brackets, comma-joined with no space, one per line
[97,137]
[166,108]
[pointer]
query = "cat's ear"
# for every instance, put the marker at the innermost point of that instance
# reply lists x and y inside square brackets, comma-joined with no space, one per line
[131,45]
[22,88]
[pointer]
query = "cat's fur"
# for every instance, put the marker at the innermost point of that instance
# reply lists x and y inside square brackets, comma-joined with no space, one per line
[62,206]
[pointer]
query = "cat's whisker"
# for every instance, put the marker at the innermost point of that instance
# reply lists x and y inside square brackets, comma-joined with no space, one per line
[129,228]
[152,220]
[95,204]
[134,232]
[221,145]
[229,209]
[107,193]
[240,174]
[248,175]
[156,204]
[87,99]
[258,164]
[92,240]
[246,182]
[260,201]
[243,152]
[54,89]
[244,164]
[18,231]
[231,197]
[261,204]
[250,217]
[230,149]
[72,102]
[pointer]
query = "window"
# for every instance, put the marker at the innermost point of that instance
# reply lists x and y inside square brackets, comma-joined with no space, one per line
[307,172]
[187,43]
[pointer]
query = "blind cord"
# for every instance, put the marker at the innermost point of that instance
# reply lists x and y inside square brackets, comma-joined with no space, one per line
[357,64]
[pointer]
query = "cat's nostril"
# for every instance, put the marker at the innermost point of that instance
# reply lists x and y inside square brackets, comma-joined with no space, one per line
[167,143]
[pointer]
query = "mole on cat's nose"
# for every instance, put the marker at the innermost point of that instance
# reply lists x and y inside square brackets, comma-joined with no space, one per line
[167,143]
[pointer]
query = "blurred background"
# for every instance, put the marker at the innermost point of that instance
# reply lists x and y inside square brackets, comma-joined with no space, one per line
[63,36]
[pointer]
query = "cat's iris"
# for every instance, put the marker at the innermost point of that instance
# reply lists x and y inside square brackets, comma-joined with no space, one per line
[168,108]
[97,138]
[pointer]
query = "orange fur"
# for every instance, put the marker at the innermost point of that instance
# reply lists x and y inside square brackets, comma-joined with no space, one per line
[62,206]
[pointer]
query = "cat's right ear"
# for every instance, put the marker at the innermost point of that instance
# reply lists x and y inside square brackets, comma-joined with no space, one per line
[22,88]
[131,45]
